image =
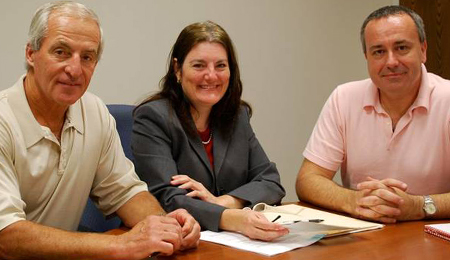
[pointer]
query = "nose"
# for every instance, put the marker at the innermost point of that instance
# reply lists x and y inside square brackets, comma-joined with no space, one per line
[392,60]
[73,67]
[211,74]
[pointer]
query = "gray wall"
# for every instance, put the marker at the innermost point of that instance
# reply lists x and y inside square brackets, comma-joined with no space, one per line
[292,54]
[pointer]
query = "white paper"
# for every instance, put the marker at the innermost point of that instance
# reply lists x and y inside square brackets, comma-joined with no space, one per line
[280,245]
[292,212]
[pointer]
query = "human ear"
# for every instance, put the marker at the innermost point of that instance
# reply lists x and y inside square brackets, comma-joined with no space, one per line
[177,69]
[423,48]
[29,55]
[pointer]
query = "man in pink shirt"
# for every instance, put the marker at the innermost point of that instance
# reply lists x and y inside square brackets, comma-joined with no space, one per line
[389,135]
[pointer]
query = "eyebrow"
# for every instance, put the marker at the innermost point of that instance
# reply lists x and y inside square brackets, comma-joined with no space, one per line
[61,43]
[378,46]
[374,47]
[402,42]
[201,60]
[64,44]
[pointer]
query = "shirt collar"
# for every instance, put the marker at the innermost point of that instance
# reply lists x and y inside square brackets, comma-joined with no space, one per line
[31,129]
[372,98]
[74,116]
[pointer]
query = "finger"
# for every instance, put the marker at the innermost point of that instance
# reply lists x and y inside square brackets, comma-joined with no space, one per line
[194,194]
[387,220]
[187,225]
[193,185]
[180,176]
[180,180]
[271,235]
[187,185]
[371,185]
[368,213]
[391,183]
[266,235]
[164,248]
[170,222]
[261,222]
[389,196]
[395,183]
[174,239]
[373,199]
[185,220]
[386,210]
[191,240]
[366,192]
[370,200]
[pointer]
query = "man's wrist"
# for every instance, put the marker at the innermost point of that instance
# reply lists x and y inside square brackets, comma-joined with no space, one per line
[352,203]
[414,211]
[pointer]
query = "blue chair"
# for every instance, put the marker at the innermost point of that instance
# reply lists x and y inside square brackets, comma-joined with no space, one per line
[93,219]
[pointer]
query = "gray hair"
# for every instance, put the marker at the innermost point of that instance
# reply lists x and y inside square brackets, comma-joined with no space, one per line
[39,23]
[391,11]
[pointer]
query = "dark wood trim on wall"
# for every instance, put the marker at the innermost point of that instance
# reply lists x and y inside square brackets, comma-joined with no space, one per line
[436,16]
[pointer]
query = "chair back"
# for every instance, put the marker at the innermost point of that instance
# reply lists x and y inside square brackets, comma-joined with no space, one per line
[123,114]
[93,219]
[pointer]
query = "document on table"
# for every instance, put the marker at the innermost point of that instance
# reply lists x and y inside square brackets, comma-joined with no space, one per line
[283,244]
[334,223]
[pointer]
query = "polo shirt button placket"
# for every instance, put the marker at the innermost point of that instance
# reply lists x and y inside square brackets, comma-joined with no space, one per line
[62,162]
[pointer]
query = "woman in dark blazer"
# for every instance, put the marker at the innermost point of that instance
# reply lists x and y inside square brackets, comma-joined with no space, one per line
[193,143]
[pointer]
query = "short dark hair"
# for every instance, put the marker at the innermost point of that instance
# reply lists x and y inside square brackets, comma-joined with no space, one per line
[224,113]
[390,11]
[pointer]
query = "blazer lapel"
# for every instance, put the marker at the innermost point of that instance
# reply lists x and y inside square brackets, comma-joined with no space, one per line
[199,149]
[220,147]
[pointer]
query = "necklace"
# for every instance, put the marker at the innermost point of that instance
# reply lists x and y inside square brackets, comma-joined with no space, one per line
[209,139]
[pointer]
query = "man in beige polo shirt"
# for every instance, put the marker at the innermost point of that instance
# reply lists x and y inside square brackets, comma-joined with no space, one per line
[58,145]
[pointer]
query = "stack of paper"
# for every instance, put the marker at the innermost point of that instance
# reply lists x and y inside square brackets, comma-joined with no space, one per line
[280,245]
[332,224]
[301,232]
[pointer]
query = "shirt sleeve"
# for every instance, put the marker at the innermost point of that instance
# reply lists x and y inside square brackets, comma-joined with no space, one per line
[152,150]
[326,144]
[116,180]
[11,204]
[264,183]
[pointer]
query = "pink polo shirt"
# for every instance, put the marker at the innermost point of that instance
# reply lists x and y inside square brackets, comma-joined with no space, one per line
[355,133]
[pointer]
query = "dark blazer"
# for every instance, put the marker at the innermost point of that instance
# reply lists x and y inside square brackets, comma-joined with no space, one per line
[162,149]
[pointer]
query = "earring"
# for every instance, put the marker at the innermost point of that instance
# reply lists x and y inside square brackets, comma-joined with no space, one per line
[178,81]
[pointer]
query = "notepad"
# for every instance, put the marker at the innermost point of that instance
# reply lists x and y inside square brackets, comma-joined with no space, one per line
[439,230]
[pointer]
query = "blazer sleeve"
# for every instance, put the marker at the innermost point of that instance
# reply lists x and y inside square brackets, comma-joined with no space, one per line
[263,183]
[152,149]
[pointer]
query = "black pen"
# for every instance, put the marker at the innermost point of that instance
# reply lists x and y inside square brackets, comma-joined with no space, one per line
[306,220]
[275,219]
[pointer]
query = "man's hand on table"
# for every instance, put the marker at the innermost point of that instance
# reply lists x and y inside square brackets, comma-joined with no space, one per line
[164,235]
[190,229]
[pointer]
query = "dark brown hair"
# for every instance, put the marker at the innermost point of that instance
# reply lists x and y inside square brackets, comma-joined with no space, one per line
[225,112]
[392,10]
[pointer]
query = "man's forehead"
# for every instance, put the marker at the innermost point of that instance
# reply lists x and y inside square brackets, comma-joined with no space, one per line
[391,20]
[399,24]
[63,25]
[56,18]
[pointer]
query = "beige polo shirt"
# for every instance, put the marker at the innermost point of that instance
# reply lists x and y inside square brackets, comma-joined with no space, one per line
[48,182]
